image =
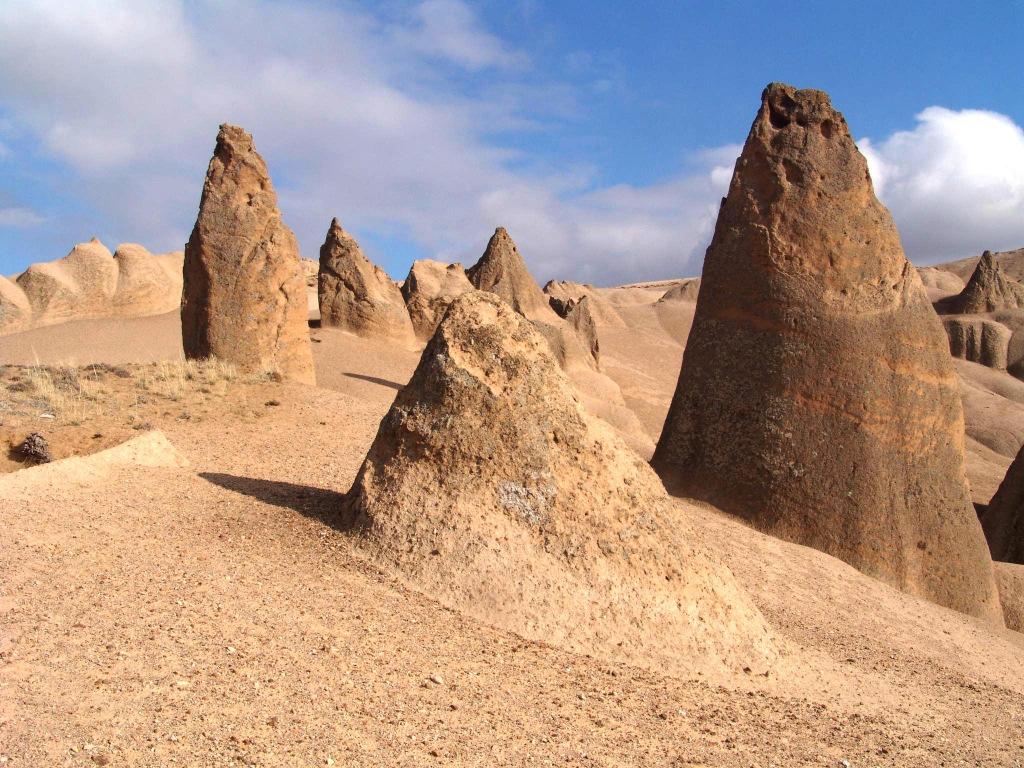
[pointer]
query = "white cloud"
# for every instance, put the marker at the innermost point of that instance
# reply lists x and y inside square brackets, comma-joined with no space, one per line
[954,184]
[19,217]
[353,118]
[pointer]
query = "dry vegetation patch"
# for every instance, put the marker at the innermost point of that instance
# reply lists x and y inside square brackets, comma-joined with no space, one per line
[84,409]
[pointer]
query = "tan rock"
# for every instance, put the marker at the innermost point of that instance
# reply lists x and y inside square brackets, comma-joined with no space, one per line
[1010,579]
[978,339]
[502,271]
[988,290]
[581,319]
[430,287]
[79,286]
[1003,519]
[686,290]
[817,397]
[491,489]
[563,295]
[356,295]
[244,296]
[939,284]
[147,284]
[15,310]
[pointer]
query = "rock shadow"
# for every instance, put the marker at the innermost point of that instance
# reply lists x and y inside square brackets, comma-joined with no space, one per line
[375,380]
[316,503]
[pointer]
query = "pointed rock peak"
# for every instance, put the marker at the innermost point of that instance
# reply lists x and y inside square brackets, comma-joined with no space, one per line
[502,271]
[342,242]
[486,444]
[988,290]
[814,353]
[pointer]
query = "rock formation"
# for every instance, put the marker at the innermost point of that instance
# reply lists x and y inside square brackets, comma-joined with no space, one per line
[817,397]
[15,309]
[428,290]
[147,284]
[978,339]
[356,295]
[502,271]
[940,284]
[988,290]
[1010,579]
[88,284]
[495,492]
[1003,519]
[244,296]
[563,295]
[686,290]
[582,321]
[81,285]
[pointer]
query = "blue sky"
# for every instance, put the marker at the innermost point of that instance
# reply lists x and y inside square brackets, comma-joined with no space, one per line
[601,134]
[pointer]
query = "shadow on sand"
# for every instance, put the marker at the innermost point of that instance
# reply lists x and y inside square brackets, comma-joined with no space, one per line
[316,503]
[375,380]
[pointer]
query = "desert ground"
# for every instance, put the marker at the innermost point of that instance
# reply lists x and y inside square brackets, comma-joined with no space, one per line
[219,614]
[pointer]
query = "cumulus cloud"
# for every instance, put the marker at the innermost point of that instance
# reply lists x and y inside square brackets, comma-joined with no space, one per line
[354,118]
[954,184]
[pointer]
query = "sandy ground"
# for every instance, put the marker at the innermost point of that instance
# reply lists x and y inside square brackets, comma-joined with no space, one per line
[217,614]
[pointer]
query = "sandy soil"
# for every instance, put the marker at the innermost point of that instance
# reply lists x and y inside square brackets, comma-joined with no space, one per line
[217,614]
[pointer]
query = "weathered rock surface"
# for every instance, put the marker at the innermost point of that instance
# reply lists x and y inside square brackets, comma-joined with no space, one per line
[563,295]
[817,397]
[147,284]
[429,289]
[90,283]
[357,295]
[244,296]
[581,319]
[1003,519]
[978,339]
[15,309]
[988,290]
[686,290]
[939,284]
[1010,579]
[81,285]
[502,271]
[490,488]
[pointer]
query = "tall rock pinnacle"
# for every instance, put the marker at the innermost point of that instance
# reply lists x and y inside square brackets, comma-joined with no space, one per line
[817,397]
[244,295]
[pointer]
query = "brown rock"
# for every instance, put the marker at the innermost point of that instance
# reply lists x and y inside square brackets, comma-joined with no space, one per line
[356,295]
[429,289]
[1010,579]
[244,296]
[817,397]
[988,290]
[978,339]
[79,286]
[147,284]
[495,492]
[502,271]
[1003,519]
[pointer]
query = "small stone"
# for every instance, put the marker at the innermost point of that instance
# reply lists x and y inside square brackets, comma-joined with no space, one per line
[182,684]
[437,679]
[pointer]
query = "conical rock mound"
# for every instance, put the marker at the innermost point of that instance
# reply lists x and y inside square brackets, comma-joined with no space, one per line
[244,296]
[817,397]
[79,286]
[428,290]
[581,318]
[988,290]
[147,284]
[492,489]
[357,295]
[1003,519]
[502,271]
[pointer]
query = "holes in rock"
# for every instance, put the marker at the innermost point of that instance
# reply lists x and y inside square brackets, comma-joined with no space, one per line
[794,174]
[826,128]
[778,119]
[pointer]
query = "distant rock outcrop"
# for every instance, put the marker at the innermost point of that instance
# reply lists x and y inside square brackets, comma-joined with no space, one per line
[1003,519]
[988,290]
[502,271]
[581,319]
[90,283]
[357,295]
[429,289]
[939,284]
[817,397]
[490,488]
[978,339]
[81,285]
[244,296]
[686,290]
[563,295]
